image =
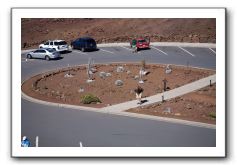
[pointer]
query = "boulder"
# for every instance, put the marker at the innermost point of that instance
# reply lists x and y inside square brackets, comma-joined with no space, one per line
[102,75]
[118,83]
[120,69]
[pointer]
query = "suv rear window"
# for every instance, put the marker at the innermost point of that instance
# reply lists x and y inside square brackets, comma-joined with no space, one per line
[60,43]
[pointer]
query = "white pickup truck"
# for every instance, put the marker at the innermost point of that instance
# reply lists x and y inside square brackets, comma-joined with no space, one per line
[58,45]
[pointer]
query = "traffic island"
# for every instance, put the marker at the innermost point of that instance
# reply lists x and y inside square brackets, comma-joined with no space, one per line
[110,83]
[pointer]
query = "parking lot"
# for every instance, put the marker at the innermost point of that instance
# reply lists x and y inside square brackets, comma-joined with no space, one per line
[192,56]
[96,129]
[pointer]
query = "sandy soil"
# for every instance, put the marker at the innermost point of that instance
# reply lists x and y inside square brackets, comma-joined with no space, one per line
[37,30]
[197,106]
[55,87]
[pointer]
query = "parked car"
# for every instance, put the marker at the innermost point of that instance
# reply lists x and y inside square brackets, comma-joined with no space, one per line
[58,45]
[46,54]
[140,43]
[84,44]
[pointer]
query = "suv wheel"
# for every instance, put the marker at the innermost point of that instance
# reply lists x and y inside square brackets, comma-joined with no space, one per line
[47,58]
[83,49]
[29,56]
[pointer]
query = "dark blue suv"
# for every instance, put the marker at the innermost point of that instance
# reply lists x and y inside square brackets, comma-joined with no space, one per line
[84,43]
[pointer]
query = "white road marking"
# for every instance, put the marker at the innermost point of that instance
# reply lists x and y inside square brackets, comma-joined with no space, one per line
[212,50]
[79,52]
[80,144]
[26,60]
[37,141]
[159,50]
[186,51]
[107,51]
[126,48]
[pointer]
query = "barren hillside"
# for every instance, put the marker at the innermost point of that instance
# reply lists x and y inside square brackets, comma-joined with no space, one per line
[36,31]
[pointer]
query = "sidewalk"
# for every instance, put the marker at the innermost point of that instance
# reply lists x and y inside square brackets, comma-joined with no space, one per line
[167,95]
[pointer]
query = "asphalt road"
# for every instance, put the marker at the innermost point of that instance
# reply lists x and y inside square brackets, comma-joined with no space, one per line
[66,127]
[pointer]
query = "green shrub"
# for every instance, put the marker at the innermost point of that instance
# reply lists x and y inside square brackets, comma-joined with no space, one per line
[212,115]
[89,98]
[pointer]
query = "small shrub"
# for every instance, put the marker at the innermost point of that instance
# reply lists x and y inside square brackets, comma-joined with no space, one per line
[89,98]
[212,115]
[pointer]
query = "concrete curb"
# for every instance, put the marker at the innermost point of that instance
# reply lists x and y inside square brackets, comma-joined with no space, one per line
[26,97]
[181,44]
[166,119]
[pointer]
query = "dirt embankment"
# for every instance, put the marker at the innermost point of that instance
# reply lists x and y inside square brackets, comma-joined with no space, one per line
[37,30]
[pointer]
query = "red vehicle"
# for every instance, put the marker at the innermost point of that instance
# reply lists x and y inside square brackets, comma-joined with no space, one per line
[140,43]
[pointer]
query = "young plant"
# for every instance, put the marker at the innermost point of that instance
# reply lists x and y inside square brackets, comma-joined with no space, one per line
[89,98]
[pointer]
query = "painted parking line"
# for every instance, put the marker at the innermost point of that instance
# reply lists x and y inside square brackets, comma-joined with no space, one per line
[26,60]
[107,51]
[130,49]
[213,50]
[126,48]
[159,50]
[80,143]
[186,51]
[79,52]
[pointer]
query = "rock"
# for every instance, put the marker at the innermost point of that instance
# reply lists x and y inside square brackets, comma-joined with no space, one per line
[128,72]
[119,82]
[102,75]
[68,75]
[81,90]
[108,74]
[188,106]
[168,69]
[120,69]
[136,77]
